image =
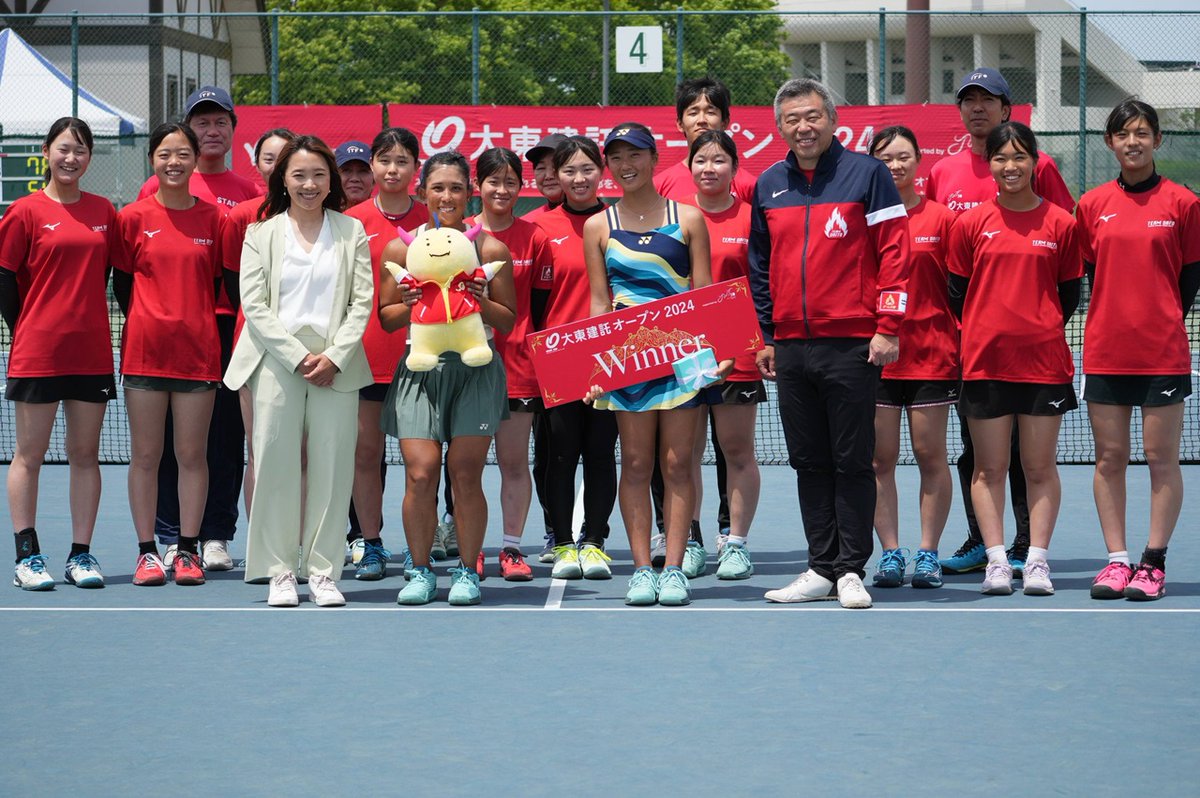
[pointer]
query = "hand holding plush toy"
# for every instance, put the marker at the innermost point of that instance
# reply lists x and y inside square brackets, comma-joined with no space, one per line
[441,263]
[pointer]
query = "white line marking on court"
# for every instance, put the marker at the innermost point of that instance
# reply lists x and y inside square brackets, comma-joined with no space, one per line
[555,595]
[632,611]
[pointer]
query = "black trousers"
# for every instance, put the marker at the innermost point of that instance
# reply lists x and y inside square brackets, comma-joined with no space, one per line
[577,431]
[541,465]
[226,462]
[1016,485]
[827,405]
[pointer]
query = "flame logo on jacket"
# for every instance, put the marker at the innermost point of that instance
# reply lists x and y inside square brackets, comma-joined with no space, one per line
[836,226]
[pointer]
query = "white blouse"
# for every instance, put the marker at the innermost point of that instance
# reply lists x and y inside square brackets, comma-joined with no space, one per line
[306,282]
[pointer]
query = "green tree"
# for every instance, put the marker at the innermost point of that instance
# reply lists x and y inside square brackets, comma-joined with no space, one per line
[525,59]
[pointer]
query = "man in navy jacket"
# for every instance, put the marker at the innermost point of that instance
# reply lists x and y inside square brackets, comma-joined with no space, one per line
[828,271]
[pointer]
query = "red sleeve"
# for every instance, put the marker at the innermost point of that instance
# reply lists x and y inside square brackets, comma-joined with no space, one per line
[931,184]
[122,254]
[1190,234]
[1070,265]
[541,261]
[14,238]
[1083,231]
[891,242]
[149,187]
[959,258]
[232,234]
[743,186]
[1050,184]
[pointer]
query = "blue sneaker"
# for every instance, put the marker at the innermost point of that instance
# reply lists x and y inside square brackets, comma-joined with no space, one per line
[84,571]
[734,563]
[927,572]
[643,588]
[421,588]
[971,556]
[890,570]
[695,560]
[673,588]
[373,565]
[408,564]
[464,587]
[1017,555]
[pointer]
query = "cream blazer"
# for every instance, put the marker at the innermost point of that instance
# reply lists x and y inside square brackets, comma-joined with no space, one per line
[353,303]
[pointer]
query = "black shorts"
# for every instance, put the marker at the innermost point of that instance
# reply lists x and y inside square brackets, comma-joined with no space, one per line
[996,398]
[94,388]
[916,393]
[526,404]
[137,382]
[374,392]
[743,393]
[1137,390]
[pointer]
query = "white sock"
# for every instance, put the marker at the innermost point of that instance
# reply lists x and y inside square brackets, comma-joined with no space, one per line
[1118,556]
[996,554]
[512,542]
[1035,555]
[735,540]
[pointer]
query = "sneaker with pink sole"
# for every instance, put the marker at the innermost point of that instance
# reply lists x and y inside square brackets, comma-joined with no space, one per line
[1148,584]
[1110,583]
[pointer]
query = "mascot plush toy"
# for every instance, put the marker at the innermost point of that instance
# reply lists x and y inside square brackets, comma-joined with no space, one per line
[441,264]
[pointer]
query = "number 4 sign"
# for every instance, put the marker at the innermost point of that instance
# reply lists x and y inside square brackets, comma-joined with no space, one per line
[639,48]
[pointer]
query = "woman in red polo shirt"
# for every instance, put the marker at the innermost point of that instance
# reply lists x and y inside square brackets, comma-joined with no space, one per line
[167,279]
[1015,275]
[1140,238]
[55,248]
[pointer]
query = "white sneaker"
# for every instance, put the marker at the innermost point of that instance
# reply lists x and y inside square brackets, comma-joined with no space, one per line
[169,556]
[448,532]
[547,554]
[658,550]
[851,594]
[997,580]
[594,562]
[722,541]
[1037,579]
[324,591]
[214,555]
[283,591]
[808,586]
[31,574]
[355,551]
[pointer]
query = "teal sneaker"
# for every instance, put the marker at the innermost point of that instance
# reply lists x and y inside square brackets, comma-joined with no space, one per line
[971,556]
[734,563]
[695,560]
[464,587]
[643,588]
[1017,554]
[373,564]
[927,572]
[84,571]
[408,565]
[673,588]
[421,588]
[890,570]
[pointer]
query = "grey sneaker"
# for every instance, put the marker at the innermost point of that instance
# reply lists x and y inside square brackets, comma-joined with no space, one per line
[1037,579]
[997,580]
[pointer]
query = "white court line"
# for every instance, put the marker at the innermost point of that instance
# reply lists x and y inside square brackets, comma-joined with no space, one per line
[631,610]
[554,596]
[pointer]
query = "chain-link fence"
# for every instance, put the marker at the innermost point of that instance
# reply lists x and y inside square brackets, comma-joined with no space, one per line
[133,72]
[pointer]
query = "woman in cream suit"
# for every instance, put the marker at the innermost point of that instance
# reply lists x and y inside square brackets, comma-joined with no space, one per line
[307,293]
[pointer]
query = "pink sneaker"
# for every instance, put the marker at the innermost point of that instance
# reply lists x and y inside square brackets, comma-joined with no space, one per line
[1148,584]
[1110,583]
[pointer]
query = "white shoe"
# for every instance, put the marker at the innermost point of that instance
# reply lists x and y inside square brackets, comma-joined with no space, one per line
[547,554]
[851,594]
[658,550]
[283,591]
[355,551]
[448,533]
[168,559]
[997,579]
[722,541]
[1037,579]
[324,591]
[31,574]
[214,555]
[808,586]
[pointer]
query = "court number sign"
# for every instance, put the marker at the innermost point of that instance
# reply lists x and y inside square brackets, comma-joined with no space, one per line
[639,48]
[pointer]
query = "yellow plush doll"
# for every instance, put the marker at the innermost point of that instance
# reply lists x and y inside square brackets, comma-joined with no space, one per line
[441,263]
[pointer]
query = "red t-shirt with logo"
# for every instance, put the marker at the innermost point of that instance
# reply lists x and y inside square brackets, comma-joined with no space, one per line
[60,254]
[530,251]
[226,190]
[729,244]
[536,212]
[174,257]
[965,180]
[929,331]
[570,293]
[384,349]
[676,183]
[1139,243]
[1012,324]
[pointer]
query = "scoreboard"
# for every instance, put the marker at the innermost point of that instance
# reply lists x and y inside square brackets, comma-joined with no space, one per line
[22,167]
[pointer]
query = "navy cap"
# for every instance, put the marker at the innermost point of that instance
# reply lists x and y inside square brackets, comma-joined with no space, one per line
[352,150]
[990,80]
[207,94]
[544,147]
[634,136]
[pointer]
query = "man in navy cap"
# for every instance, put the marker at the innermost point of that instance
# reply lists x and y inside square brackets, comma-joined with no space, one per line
[354,165]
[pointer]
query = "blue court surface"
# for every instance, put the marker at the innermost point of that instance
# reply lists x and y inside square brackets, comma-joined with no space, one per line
[559,689]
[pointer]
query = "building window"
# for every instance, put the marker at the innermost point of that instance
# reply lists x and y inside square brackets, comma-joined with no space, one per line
[897,83]
[948,81]
[173,101]
[189,86]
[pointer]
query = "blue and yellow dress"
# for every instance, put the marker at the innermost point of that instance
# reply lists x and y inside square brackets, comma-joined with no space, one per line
[643,267]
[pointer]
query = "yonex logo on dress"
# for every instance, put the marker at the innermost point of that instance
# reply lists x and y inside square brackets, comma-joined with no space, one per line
[645,239]
[483,426]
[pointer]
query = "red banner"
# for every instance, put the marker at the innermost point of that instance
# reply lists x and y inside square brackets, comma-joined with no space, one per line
[636,344]
[473,129]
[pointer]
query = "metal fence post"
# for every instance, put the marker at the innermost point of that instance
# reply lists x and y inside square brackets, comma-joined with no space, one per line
[475,56]
[881,91]
[678,45]
[605,46]
[1083,70]
[74,63]
[275,57]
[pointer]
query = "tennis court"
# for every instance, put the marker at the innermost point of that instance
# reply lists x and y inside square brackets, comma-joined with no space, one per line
[552,688]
